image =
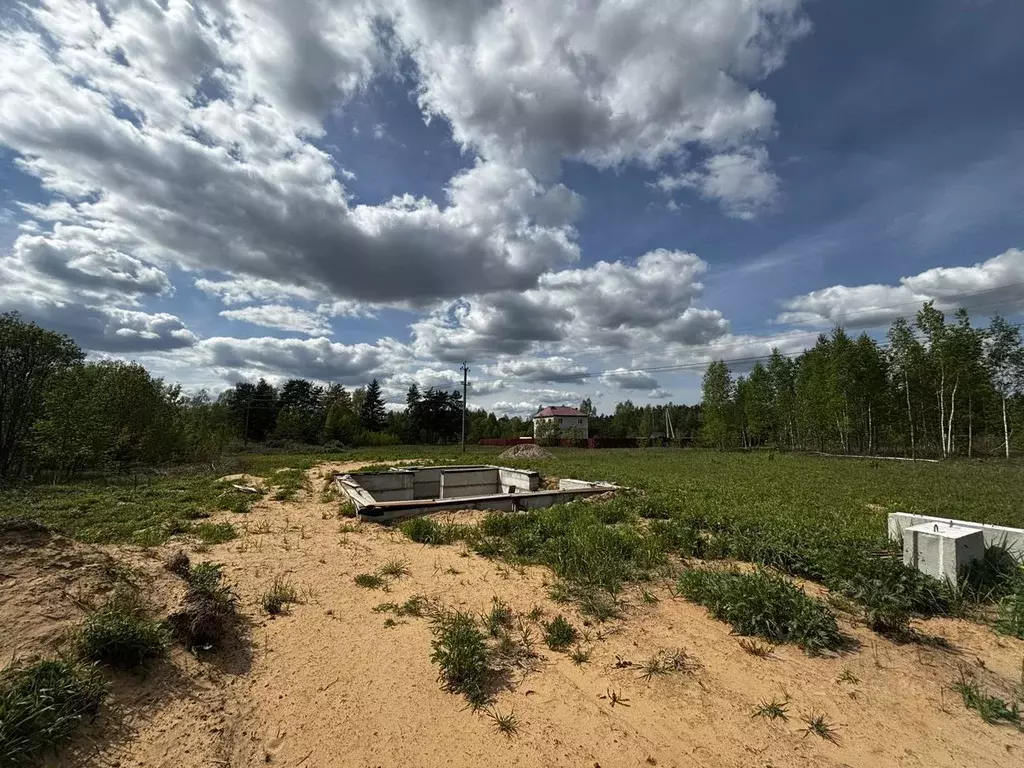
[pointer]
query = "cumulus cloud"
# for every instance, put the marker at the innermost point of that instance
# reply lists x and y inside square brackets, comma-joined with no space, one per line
[623,378]
[187,138]
[996,284]
[508,408]
[318,359]
[607,83]
[206,164]
[742,181]
[609,306]
[552,368]
[282,317]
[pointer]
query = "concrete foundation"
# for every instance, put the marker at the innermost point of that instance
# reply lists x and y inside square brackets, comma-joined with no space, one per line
[411,491]
[1011,539]
[941,550]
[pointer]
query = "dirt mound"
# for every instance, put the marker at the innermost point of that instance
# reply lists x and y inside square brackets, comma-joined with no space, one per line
[526,451]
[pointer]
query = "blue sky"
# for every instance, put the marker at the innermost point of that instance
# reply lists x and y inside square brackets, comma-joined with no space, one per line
[565,196]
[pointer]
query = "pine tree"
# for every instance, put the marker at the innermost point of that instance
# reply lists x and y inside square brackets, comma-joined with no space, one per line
[372,416]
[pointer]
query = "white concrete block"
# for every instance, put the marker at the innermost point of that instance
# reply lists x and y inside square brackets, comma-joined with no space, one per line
[941,550]
[1012,539]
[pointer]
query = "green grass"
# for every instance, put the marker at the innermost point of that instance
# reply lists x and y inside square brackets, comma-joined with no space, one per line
[462,656]
[991,709]
[42,703]
[559,633]
[287,483]
[369,580]
[772,710]
[1010,619]
[279,597]
[121,634]
[764,605]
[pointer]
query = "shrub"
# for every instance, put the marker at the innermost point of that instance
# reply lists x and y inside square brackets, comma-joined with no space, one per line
[764,605]
[121,634]
[559,634]
[459,650]
[41,705]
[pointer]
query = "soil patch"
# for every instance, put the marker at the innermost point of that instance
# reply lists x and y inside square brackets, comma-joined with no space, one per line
[526,451]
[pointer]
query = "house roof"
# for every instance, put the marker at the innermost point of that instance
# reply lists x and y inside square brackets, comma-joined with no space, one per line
[558,410]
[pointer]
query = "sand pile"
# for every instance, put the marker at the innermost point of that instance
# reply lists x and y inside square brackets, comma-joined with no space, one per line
[526,451]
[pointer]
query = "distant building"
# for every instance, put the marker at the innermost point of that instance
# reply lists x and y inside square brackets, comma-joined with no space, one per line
[568,420]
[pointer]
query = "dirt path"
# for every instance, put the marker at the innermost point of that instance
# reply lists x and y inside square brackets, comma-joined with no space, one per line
[330,684]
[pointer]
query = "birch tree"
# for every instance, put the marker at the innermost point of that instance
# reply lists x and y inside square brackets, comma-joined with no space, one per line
[1004,359]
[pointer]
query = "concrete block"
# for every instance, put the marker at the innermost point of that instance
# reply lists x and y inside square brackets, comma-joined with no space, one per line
[941,550]
[518,480]
[1011,539]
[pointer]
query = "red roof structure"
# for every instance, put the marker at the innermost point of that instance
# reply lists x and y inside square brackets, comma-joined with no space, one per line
[557,410]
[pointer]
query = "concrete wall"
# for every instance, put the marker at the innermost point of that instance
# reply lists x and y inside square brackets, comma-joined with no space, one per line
[995,535]
[518,480]
[387,486]
[516,502]
[427,483]
[568,484]
[456,483]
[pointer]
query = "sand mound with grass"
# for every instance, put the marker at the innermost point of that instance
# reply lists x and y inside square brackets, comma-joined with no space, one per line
[526,451]
[343,675]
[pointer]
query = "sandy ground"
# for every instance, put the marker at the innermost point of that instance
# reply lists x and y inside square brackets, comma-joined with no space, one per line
[329,684]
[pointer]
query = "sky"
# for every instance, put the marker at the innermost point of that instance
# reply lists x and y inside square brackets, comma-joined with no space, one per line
[590,198]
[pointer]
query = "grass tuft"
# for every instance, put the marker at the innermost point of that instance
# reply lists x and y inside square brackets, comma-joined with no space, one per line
[279,597]
[394,569]
[579,656]
[819,726]
[42,703]
[121,634]
[559,633]
[990,708]
[764,605]
[499,618]
[369,581]
[772,710]
[461,653]
[507,725]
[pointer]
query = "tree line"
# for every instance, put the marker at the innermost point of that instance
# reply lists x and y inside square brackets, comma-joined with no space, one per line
[939,387]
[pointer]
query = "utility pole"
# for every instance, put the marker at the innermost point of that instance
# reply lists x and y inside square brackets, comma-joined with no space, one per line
[465,384]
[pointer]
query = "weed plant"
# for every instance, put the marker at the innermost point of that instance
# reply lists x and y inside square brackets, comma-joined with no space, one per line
[121,634]
[559,633]
[42,703]
[279,597]
[764,605]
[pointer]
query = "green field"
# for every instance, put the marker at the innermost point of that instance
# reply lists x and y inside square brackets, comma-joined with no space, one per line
[844,496]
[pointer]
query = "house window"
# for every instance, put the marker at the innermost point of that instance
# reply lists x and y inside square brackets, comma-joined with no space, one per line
[579,421]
